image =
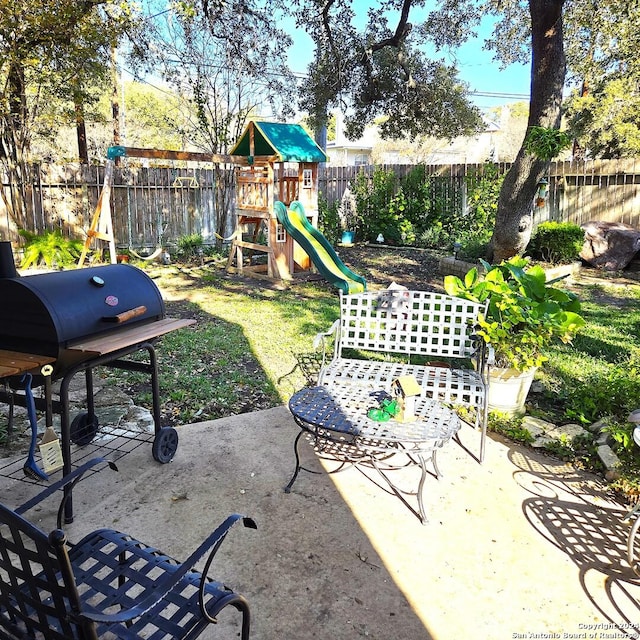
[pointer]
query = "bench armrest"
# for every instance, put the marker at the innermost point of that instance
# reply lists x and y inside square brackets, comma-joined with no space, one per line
[321,339]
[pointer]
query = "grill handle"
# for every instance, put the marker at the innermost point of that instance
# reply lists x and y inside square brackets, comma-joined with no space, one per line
[126,315]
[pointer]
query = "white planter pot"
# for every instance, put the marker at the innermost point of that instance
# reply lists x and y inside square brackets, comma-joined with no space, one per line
[508,389]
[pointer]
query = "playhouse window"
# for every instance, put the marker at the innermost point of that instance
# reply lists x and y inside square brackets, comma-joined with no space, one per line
[281,234]
[307,178]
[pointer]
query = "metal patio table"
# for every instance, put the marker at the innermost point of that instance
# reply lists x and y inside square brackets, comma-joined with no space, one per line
[336,419]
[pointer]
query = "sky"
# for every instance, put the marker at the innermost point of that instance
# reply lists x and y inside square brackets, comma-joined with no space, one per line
[475,67]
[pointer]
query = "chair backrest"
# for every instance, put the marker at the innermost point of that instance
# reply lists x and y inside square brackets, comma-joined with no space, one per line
[33,597]
[421,323]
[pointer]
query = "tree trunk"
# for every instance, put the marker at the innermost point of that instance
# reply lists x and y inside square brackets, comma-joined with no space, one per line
[81,130]
[115,103]
[515,206]
[14,148]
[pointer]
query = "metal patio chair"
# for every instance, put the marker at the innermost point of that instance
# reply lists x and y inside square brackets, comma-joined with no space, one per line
[108,585]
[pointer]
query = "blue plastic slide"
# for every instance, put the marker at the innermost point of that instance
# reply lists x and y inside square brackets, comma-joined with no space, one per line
[318,248]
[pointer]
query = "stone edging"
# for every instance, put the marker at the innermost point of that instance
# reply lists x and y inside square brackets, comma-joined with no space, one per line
[451,266]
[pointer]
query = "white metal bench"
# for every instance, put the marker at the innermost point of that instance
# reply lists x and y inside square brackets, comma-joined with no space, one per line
[382,335]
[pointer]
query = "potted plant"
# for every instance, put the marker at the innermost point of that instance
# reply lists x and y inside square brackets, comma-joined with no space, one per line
[525,314]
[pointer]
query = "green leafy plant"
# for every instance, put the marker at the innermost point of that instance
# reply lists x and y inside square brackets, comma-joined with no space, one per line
[613,391]
[373,195]
[525,314]
[509,426]
[556,242]
[329,220]
[190,246]
[621,434]
[50,248]
[546,143]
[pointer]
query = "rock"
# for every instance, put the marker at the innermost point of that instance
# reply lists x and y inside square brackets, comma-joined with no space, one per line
[451,266]
[569,430]
[536,427]
[138,419]
[537,387]
[610,460]
[609,245]
[542,441]
[599,425]
[111,396]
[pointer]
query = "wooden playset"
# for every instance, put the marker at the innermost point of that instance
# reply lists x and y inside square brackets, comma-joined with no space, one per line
[281,165]
[275,162]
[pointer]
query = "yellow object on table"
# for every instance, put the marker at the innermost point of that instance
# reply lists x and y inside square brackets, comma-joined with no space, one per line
[406,388]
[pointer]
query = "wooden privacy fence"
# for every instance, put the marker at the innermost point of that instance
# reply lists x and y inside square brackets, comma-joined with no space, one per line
[150,206]
[606,190]
[154,205]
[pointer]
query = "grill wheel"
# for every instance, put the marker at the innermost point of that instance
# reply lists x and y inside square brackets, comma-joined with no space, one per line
[165,445]
[83,429]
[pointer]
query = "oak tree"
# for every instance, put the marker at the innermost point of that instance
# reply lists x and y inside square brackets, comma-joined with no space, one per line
[380,69]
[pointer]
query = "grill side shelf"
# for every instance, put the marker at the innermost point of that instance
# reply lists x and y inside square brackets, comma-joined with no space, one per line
[108,343]
[15,362]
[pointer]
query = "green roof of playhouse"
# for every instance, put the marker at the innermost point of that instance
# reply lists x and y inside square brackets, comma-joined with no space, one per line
[290,142]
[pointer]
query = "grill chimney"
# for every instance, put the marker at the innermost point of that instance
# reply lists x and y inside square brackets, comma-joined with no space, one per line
[7,262]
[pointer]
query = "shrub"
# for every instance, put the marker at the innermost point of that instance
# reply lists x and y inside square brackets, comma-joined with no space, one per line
[50,248]
[475,246]
[329,220]
[392,222]
[428,211]
[435,237]
[483,190]
[190,246]
[418,189]
[556,242]
[374,195]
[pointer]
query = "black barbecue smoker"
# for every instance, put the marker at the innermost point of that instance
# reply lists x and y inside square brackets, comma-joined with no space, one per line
[77,320]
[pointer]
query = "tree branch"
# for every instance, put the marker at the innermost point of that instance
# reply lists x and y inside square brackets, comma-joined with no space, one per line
[402,30]
[327,29]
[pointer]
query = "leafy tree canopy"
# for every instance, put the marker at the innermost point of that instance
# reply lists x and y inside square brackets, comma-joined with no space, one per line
[380,69]
[602,39]
[607,119]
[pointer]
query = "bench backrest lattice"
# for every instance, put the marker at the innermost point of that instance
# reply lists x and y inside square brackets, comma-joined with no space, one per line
[420,323]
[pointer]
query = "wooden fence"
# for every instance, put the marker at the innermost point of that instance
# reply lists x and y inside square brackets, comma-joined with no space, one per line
[150,206]
[159,205]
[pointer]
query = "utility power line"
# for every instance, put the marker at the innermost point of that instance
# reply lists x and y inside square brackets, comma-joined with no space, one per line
[490,94]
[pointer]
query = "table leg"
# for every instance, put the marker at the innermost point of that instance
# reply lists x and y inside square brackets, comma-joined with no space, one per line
[422,463]
[287,489]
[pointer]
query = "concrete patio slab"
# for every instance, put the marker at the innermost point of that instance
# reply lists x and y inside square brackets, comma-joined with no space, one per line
[522,546]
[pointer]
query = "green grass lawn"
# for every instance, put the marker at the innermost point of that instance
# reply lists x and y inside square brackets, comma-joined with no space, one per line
[248,335]
[240,354]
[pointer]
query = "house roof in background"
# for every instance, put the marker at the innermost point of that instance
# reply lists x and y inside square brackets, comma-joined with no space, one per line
[290,142]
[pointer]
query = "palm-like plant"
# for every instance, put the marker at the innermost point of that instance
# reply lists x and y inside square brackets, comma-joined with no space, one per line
[50,248]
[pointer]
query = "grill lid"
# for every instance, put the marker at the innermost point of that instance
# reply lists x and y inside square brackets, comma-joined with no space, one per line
[45,312]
